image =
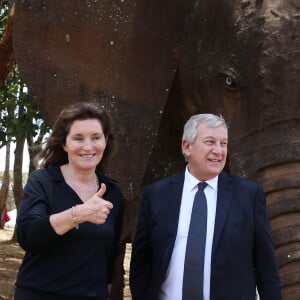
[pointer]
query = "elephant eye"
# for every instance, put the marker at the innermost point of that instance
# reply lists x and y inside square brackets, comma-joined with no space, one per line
[229,81]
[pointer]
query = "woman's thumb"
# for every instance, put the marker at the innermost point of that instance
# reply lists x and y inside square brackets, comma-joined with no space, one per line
[102,190]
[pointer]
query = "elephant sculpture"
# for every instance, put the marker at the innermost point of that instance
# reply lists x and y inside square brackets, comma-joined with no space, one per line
[154,63]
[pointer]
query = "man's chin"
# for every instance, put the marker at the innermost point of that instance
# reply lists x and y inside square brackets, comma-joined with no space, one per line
[215,171]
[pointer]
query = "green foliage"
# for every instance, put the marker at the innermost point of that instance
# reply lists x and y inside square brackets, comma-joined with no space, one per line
[8,94]
[4,10]
[20,115]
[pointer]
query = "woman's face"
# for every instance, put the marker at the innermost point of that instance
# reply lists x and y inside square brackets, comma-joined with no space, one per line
[85,144]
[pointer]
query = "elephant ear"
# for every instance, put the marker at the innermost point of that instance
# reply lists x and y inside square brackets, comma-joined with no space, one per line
[120,53]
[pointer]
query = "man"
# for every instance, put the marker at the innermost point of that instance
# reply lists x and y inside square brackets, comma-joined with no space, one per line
[238,254]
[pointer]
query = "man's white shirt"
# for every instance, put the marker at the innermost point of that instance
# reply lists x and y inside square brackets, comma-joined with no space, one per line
[172,286]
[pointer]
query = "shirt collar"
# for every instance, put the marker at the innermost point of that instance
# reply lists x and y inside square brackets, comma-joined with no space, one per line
[192,181]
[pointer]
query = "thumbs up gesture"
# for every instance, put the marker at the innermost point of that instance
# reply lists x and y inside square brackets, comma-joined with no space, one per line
[96,209]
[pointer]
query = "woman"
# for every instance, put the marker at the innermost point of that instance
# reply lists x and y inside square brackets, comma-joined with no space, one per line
[70,234]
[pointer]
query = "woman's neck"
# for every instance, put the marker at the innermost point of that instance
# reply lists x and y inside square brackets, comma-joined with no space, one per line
[73,174]
[85,184]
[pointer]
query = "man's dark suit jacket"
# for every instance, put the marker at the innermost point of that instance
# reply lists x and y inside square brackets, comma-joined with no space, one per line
[242,254]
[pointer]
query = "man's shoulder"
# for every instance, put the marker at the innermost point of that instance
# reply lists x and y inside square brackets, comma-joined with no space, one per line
[237,180]
[172,179]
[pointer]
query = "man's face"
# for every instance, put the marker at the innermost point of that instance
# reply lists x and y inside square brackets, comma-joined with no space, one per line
[207,155]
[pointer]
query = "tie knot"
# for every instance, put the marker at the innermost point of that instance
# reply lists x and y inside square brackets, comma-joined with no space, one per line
[202,185]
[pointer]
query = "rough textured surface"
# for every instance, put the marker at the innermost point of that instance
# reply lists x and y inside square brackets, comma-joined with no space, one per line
[153,64]
[112,52]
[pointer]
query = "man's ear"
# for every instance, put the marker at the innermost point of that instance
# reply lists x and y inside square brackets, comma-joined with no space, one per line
[185,145]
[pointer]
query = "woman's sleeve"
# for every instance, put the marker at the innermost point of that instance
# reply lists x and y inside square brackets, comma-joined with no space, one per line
[117,233]
[33,228]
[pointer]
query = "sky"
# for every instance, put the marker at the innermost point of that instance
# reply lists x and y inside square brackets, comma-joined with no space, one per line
[12,150]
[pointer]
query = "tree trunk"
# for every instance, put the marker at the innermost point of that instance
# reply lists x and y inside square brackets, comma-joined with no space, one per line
[33,150]
[6,47]
[18,175]
[117,287]
[5,181]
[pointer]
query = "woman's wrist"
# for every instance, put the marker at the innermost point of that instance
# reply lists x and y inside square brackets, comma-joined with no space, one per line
[74,217]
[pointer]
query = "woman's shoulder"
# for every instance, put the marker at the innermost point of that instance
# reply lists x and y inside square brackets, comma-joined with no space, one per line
[112,186]
[52,173]
[107,180]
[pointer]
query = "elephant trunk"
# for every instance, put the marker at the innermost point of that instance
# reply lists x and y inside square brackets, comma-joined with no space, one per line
[282,188]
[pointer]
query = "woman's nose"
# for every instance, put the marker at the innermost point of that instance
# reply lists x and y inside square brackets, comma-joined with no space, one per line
[87,144]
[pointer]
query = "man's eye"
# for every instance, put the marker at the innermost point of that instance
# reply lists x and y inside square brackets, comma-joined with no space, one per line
[209,143]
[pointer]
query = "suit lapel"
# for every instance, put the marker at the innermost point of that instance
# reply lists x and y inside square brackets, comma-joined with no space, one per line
[223,202]
[171,216]
[174,194]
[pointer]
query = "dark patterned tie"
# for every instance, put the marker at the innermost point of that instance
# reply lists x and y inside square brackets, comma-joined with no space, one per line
[192,288]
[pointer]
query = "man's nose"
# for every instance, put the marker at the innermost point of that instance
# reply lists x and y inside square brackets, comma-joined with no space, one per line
[217,148]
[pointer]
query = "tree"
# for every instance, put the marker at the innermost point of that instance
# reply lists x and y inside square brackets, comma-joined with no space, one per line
[6,43]
[5,182]
[7,112]
[20,121]
[28,124]
[36,133]
[6,61]
[20,117]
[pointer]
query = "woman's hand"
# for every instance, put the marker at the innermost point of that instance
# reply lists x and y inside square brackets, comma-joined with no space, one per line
[94,210]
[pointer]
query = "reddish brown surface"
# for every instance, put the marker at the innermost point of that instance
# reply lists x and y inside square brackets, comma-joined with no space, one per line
[154,63]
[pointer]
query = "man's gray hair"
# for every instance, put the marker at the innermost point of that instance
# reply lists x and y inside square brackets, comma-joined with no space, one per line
[190,129]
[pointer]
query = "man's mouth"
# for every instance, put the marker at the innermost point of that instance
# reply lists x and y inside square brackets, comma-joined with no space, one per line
[215,160]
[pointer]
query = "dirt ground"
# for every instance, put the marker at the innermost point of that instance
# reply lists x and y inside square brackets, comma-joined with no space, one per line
[11,256]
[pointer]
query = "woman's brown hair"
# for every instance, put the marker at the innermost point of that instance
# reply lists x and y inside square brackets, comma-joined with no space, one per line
[53,152]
